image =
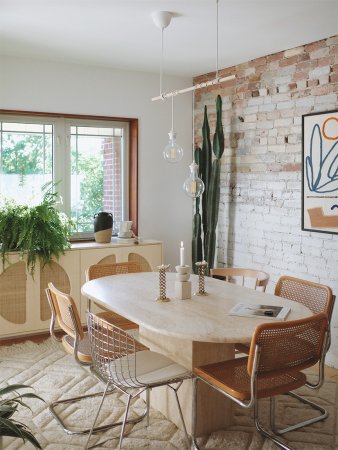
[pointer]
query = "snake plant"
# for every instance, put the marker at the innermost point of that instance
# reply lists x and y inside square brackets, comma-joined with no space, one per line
[10,400]
[209,169]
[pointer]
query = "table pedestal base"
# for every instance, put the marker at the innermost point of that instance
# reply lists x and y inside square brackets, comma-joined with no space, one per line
[213,409]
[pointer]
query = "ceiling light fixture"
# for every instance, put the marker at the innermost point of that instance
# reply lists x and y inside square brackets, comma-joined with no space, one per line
[202,85]
[193,185]
[173,152]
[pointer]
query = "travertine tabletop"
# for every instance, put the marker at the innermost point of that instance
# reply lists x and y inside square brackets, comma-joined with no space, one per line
[201,318]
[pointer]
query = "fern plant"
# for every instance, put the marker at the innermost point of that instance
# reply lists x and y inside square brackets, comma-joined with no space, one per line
[38,233]
[9,403]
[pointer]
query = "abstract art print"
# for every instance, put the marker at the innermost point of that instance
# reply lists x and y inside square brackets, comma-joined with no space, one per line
[320,172]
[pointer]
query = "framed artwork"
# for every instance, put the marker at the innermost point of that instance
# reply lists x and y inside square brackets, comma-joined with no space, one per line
[320,172]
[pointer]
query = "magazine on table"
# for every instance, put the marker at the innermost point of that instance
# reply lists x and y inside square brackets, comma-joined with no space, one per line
[260,311]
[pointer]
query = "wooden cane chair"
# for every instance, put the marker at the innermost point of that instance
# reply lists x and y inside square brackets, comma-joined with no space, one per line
[258,279]
[103,270]
[279,351]
[121,367]
[75,342]
[317,297]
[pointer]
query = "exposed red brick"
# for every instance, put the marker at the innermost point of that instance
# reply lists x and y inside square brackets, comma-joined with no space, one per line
[275,57]
[291,167]
[327,61]
[258,62]
[289,61]
[292,86]
[315,46]
[334,77]
[311,83]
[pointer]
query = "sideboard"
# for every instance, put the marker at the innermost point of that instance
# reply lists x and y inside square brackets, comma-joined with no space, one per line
[24,308]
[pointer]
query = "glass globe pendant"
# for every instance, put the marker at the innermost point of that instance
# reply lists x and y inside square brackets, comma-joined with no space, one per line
[172,152]
[193,186]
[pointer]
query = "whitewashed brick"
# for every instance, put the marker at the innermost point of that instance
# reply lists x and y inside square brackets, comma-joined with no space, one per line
[286,105]
[329,98]
[319,71]
[294,51]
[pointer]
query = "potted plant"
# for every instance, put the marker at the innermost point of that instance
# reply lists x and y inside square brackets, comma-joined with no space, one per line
[8,406]
[205,224]
[38,232]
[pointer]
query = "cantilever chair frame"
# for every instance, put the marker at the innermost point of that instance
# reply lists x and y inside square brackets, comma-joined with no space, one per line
[78,335]
[224,273]
[254,356]
[114,357]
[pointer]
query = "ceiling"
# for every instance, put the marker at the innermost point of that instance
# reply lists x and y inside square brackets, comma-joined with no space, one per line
[121,33]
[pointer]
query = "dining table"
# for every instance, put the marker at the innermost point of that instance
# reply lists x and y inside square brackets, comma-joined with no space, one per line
[193,332]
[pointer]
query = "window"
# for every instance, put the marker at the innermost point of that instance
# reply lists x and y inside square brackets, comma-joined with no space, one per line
[92,161]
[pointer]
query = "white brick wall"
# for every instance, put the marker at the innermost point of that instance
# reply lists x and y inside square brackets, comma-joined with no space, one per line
[260,213]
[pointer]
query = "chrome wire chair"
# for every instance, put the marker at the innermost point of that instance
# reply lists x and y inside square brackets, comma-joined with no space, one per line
[259,278]
[129,371]
[278,353]
[75,342]
[103,270]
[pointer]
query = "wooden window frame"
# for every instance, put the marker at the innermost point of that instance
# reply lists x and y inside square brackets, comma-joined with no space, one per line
[133,152]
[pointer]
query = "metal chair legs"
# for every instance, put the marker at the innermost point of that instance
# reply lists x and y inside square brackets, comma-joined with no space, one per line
[324,414]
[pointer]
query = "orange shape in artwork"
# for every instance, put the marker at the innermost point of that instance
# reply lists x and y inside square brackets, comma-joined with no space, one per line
[333,138]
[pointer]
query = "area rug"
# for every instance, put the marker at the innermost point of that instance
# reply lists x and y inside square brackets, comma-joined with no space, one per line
[54,375]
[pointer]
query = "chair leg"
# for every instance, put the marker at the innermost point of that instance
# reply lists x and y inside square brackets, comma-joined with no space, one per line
[69,431]
[265,433]
[180,411]
[124,421]
[324,414]
[97,415]
[148,405]
[194,445]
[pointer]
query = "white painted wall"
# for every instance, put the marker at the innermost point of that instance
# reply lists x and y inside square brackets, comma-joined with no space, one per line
[164,210]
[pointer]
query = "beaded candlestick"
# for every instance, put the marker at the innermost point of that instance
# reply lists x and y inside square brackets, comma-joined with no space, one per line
[163,283]
[201,266]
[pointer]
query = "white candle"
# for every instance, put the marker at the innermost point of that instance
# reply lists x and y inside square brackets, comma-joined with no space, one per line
[182,263]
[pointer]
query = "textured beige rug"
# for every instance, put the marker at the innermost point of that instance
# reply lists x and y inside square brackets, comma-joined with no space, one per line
[55,375]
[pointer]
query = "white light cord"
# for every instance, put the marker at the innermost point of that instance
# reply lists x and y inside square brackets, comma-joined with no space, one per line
[216,39]
[193,126]
[161,63]
[172,113]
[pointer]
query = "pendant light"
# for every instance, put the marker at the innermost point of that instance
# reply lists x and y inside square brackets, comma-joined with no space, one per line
[193,186]
[172,152]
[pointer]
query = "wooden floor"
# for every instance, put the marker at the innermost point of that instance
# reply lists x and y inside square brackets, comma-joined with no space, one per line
[330,372]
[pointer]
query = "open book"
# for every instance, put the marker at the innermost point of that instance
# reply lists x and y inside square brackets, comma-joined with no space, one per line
[260,311]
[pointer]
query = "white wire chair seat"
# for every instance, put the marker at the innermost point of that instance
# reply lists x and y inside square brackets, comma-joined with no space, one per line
[75,342]
[119,363]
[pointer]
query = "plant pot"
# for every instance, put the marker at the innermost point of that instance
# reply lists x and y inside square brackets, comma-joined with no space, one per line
[103,226]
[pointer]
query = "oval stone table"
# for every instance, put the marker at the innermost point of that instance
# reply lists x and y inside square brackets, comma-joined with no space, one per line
[192,332]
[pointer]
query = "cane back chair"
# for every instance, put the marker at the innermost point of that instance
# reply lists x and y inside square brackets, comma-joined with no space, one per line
[259,279]
[279,351]
[317,297]
[123,368]
[103,270]
[75,342]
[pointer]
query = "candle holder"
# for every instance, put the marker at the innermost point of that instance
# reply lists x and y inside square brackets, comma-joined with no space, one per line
[201,266]
[163,283]
[182,283]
